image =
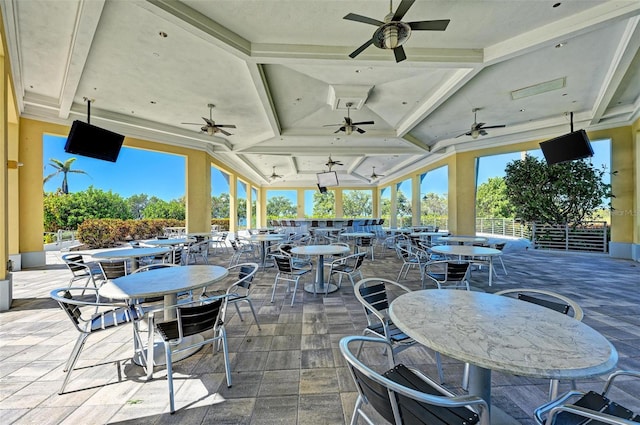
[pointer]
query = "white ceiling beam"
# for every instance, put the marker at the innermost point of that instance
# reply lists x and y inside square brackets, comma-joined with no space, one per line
[300,53]
[622,59]
[12,38]
[256,72]
[198,24]
[457,80]
[589,20]
[316,149]
[84,31]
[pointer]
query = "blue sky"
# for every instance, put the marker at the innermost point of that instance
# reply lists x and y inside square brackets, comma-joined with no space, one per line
[136,171]
[157,174]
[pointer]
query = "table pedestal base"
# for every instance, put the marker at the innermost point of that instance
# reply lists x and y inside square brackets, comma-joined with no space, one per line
[314,288]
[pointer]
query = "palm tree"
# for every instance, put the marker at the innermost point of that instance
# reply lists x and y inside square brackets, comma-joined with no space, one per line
[64,168]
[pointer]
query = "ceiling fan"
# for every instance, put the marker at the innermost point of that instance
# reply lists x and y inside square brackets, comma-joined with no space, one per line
[375,176]
[331,163]
[348,126]
[211,127]
[478,129]
[393,33]
[274,175]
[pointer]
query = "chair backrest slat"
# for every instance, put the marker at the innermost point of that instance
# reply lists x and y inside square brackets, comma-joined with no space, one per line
[198,319]
[456,271]
[376,296]
[375,393]
[413,411]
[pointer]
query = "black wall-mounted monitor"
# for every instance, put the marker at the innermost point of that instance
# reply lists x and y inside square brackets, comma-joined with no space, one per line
[574,145]
[95,142]
[327,179]
[322,189]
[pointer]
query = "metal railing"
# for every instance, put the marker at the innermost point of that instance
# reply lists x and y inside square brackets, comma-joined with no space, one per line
[503,227]
[591,236]
[63,236]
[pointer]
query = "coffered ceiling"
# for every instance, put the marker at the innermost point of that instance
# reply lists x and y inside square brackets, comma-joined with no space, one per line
[279,71]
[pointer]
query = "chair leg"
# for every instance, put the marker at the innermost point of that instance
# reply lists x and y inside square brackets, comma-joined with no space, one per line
[254,313]
[356,411]
[503,267]
[167,350]
[225,353]
[273,293]
[238,311]
[295,288]
[73,359]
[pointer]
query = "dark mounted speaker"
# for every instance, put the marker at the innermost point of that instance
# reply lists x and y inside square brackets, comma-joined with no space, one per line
[571,146]
[322,189]
[95,142]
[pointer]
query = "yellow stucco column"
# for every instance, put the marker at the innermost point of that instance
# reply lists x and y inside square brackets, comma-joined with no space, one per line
[393,211]
[625,216]
[462,198]
[30,151]
[198,192]
[233,203]
[300,203]
[376,210]
[415,200]
[338,208]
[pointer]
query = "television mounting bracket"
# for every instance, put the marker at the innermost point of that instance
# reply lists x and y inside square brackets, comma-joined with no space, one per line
[88,100]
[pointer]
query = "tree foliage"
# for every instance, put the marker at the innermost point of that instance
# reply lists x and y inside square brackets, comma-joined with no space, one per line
[137,204]
[357,203]
[158,208]
[68,211]
[434,205]
[63,168]
[492,199]
[561,193]
[324,204]
[281,207]
[220,206]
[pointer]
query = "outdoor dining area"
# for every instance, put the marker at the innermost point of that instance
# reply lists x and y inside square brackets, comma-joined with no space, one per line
[320,339]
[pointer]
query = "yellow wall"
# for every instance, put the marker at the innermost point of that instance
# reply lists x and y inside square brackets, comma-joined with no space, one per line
[198,192]
[623,185]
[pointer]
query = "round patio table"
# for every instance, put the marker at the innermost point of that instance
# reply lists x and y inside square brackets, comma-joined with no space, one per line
[464,239]
[491,332]
[320,251]
[469,251]
[264,238]
[166,282]
[131,253]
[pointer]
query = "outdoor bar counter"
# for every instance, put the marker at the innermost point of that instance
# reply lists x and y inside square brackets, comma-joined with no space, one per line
[352,224]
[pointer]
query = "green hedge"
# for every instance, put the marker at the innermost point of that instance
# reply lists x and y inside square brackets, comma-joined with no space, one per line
[107,232]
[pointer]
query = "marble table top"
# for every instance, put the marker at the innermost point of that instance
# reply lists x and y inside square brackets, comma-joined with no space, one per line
[503,334]
[466,250]
[265,237]
[131,252]
[172,241]
[162,281]
[464,239]
[320,249]
[358,234]
[418,234]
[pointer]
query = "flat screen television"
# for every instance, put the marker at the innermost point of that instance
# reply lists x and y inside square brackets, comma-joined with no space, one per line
[568,147]
[322,189]
[327,179]
[95,142]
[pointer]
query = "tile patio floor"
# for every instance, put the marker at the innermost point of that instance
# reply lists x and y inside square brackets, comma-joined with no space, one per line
[291,371]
